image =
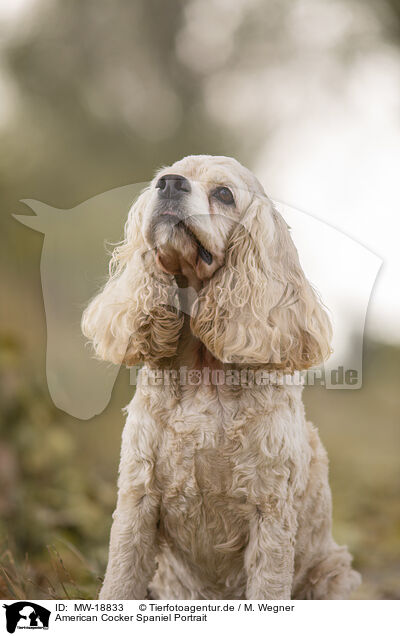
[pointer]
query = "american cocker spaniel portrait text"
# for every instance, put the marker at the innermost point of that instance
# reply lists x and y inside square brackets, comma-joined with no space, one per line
[223,485]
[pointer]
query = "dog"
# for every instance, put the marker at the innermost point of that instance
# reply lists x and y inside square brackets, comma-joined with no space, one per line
[223,486]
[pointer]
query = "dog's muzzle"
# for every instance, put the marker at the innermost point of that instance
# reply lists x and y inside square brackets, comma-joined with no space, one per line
[171,210]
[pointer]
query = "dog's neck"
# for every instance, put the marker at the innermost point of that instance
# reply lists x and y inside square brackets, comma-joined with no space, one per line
[190,349]
[189,280]
[192,353]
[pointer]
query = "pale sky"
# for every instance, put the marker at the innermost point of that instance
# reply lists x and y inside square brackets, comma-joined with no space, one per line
[341,163]
[10,9]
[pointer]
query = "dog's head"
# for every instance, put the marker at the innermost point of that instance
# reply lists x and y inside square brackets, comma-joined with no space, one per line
[208,218]
[191,209]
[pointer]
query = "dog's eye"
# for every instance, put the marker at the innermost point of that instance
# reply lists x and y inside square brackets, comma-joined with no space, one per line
[224,194]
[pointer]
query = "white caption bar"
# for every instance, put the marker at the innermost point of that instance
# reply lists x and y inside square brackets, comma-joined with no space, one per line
[172,617]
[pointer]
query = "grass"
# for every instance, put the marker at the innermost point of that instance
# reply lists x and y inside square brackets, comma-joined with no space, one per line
[50,578]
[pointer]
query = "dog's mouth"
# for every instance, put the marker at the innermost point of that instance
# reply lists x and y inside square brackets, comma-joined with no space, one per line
[202,252]
[180,224]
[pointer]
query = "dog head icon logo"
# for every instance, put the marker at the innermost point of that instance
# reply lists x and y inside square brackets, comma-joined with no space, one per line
[26,615]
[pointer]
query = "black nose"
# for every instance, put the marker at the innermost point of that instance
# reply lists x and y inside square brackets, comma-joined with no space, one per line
[172,186]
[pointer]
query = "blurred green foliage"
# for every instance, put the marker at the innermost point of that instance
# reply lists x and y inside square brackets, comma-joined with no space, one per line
[50,499]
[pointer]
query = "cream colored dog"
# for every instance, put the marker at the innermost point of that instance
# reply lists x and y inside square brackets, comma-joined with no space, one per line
[223,487]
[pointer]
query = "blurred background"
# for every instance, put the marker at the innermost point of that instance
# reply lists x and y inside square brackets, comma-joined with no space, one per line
[95,95]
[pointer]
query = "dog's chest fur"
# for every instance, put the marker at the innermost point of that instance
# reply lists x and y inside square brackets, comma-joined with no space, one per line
[219,463]
[204,507]
[198,455]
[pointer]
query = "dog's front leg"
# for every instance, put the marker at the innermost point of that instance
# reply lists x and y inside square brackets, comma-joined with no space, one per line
[133,540]
[269,556]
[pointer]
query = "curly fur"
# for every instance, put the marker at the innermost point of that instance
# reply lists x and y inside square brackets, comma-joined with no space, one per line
[260,308]
[223,489]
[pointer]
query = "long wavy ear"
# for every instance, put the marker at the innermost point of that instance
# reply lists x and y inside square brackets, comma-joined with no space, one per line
[136,316]
[259,308]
